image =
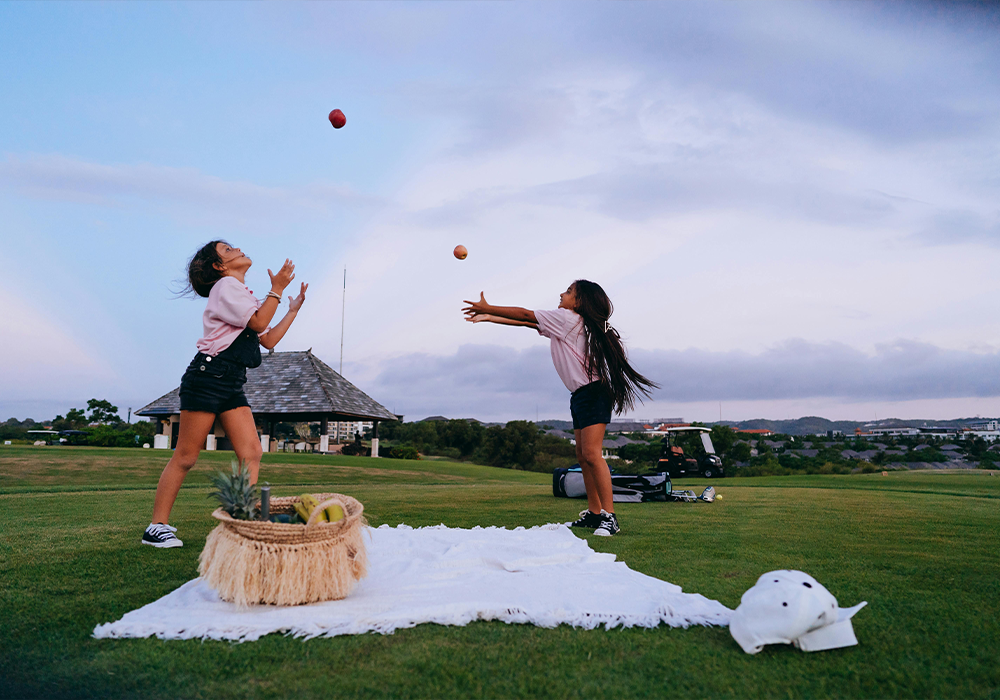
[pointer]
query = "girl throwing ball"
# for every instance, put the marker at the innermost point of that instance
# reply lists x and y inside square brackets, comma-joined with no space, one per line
[236,325]
[590,359]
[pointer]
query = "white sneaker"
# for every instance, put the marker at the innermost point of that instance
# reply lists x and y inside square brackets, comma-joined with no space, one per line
[609,525]
[161,535]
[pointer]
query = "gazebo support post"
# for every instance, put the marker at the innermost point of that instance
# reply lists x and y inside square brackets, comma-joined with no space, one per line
[265,436]
[375,438]
[324,434]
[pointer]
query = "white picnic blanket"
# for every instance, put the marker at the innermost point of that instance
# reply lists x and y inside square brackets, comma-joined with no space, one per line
[544,576]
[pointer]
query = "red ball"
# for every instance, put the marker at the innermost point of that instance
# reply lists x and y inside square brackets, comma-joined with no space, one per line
[337,118]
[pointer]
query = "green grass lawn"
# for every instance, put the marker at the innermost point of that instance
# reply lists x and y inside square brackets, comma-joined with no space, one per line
[922,548]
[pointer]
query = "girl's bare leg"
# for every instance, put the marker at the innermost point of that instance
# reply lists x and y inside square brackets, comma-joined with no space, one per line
[195,426]
[596,475]
[242,432]
[593,501]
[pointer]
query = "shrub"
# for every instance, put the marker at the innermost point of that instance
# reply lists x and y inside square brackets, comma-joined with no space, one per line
[449,452]
[547,462]
[400,452]
[356,449]
[764,470]
[114,436]
[831,468]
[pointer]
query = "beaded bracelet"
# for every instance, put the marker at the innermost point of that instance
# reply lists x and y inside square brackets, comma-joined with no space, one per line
[276,296]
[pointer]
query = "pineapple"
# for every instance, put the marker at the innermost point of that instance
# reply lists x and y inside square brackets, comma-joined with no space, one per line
[235,493]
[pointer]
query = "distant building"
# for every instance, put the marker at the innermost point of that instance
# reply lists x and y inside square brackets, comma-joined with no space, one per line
[661,428]
[940,431]
[890,432]
[762,432]
[342,431]
[989,430]
[988,435]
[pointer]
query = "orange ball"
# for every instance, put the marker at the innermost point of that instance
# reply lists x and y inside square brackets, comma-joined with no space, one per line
[460,252]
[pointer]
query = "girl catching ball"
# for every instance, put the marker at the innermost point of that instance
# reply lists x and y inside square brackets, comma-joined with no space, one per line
[590,359]
[236,325]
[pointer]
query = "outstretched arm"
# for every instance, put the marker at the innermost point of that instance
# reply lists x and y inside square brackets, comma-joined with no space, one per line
[488,318]
[274,336]
[513,313]
[262,316]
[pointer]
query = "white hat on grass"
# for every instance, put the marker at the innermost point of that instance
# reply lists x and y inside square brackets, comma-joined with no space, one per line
[791,607]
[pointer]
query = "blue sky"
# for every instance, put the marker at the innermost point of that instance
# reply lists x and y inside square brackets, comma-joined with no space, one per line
[794,206]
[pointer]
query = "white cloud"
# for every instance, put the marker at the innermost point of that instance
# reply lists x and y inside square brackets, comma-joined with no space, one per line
[180,192]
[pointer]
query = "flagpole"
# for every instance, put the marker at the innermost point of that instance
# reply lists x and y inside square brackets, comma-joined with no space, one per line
[343,306]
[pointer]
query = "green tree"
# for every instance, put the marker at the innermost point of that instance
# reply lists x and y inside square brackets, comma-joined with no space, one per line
[75,420]
[463,435]
[723,438]
[101,411]
[643,454]
[512,446]
[976,447]
[739,452]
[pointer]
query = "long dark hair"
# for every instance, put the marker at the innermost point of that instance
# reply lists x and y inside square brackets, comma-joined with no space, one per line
[202,273]
[606,356]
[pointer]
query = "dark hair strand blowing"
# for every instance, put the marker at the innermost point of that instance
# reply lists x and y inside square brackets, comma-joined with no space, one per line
[606,356]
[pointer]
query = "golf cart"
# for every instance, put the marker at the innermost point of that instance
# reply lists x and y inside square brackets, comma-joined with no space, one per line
[677,465]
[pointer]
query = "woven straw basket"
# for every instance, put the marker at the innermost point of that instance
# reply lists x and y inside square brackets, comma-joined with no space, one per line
[251,561]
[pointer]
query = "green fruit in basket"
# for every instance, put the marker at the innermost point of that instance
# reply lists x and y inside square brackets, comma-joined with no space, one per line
[334,513]
[301,511]
[309,504]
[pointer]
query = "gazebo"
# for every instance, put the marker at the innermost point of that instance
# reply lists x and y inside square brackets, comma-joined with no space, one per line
[287,387]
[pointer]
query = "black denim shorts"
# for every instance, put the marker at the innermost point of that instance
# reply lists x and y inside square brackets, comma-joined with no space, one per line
[590,405]
[213,385]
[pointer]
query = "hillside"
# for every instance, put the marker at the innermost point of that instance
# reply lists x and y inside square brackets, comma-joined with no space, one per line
[810,425]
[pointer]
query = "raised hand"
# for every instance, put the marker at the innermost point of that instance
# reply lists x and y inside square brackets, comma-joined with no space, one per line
[296,303]
[476,307]
[284,277]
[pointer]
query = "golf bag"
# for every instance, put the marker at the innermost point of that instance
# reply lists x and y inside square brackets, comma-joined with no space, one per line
[626,488]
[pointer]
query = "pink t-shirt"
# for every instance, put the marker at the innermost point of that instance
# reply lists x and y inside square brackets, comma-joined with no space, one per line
[569,345]
[230,306]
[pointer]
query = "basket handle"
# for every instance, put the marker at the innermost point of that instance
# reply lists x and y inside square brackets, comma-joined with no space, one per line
[318,510]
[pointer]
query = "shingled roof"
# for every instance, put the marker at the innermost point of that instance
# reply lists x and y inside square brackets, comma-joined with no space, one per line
[293,386]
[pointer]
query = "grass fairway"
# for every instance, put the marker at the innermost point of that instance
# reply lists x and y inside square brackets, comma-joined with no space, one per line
[922,548]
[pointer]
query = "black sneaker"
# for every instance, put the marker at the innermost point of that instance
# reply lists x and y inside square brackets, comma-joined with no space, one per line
[609,525]
[160,535]
[589,519]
